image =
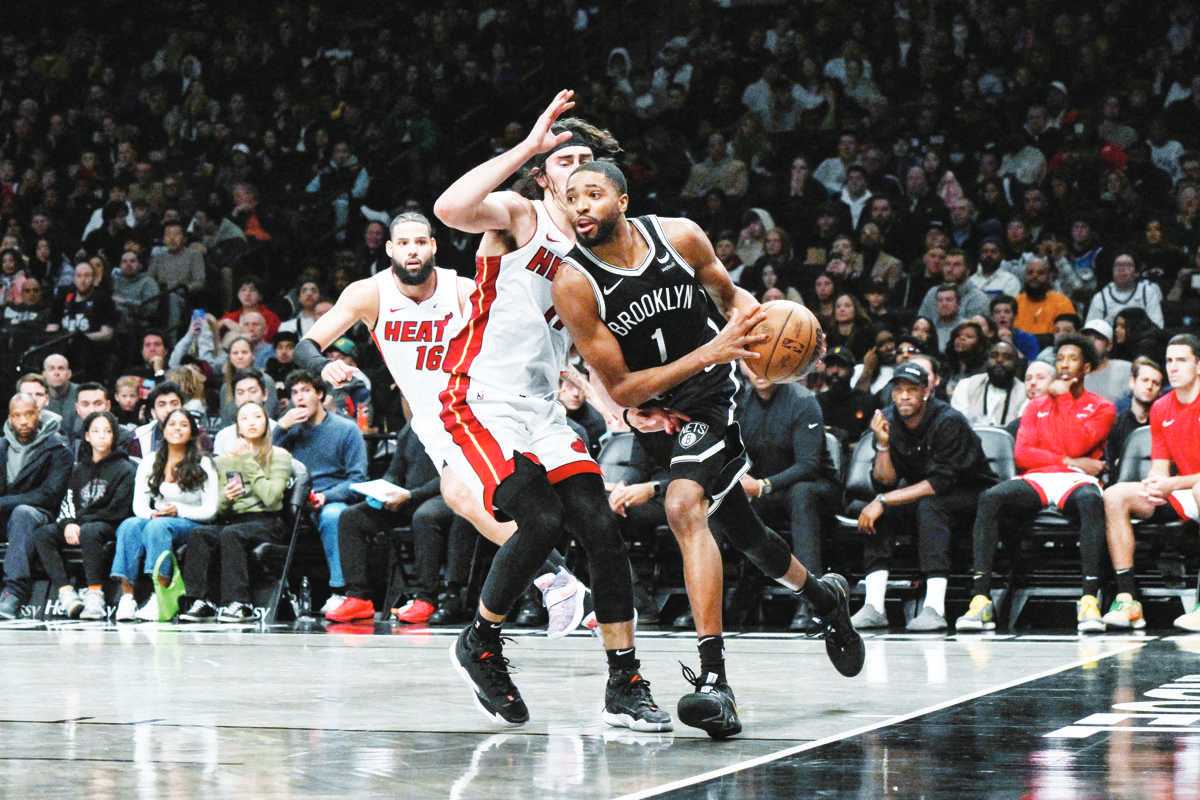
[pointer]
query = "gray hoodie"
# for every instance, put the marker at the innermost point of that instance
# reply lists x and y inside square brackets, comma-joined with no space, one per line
[48,423]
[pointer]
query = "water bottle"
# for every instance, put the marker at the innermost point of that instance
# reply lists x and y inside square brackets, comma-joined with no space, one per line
[305,609]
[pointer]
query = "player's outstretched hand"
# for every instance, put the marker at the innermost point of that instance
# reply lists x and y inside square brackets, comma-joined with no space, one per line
[736,337]
[540,137]
[652,420]
[336,373]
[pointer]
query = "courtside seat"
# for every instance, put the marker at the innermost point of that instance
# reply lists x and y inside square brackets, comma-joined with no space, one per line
[303,544]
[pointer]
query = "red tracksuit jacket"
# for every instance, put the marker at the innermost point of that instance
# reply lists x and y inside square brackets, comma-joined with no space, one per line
[1056,427]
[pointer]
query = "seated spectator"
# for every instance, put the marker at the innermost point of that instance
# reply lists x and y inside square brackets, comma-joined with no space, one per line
[437,532]
[1038,305]
[254,327]
[915,284]
[283,362]
[793,483]
[174,491]
[1059,449]
[851,327]
[875,303]
[34,385]
[993,397]
[164,398]
[971,301]
[190,381]
[37,464]
[129,402]
[1004,310]
[1135,335]
[924,330]
[967,354]
[1161,496]
[843,407]
[30,311]
[770,281]
[1038,376]
[199,345]
[177,269]
[308,297]
[99,498]
[88,312]
[719,170]
[134,292]
[241,358]
[340,181]
[1126,290]
[824,294]
[989,278]
[638,504]
[352,399]
[152,366]
[12,274]
[336,456]
[61,391]
[250,296]
[1110,379]
[90,398]
[875,371]
[879,267]
[573,394]
[1145,383]
[249,386]
[925,443]
[947,316]
[254,477]
[1064,325]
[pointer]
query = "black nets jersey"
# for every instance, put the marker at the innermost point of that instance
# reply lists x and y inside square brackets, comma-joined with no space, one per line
[658,312]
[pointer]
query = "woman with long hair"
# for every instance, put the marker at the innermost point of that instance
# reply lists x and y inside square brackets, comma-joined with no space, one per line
[1135,334]
[851,327]
[254,476]
[174,492]
[824,293]
[241,356]
[99,496]
[777,253]
[966,353]
[923,330]
[191,383]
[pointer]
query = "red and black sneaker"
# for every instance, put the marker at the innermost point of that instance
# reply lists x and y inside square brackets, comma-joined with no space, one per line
[352,609]
[414,612]
[485,669]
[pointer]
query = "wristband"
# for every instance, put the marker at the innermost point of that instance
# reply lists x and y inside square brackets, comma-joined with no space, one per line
[625,417]
[765,486]
[879,449]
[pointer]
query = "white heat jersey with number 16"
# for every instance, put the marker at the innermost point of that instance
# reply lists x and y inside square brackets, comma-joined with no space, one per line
[412,338]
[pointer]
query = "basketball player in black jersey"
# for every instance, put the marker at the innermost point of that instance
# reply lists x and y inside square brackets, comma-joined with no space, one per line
[641,303]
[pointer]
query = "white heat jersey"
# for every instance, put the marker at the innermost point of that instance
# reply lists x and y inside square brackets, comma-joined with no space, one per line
[412,338]
[513,344]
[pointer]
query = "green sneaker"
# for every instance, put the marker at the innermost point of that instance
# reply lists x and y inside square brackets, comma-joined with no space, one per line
[1125,612]
[1190,621]
[981,616]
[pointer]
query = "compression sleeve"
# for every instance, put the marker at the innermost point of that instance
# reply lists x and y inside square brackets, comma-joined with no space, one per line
[309,357]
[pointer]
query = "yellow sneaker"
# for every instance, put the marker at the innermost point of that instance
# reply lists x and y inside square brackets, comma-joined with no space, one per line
[1125,612]
[981,616]
[1087,614]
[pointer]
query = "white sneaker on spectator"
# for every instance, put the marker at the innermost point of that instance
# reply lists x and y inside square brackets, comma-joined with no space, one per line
[869,617]
[126,609]
[563,595]
[68,600]
[333,602]
[149,612]
[93,605]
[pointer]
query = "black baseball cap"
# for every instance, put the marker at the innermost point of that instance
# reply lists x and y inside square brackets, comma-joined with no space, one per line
[911,372]
[840,353]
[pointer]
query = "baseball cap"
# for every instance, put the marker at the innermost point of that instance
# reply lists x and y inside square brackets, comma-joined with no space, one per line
[911,372]
[344,345]
[1100,328]
[840,353]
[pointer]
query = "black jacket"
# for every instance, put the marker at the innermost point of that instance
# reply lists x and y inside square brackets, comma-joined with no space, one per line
[43,477]
[99,492]
[785,436]
[412,469]
[942,450]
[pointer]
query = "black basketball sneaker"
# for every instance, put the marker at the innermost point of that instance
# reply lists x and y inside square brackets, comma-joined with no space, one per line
[628,704]
[485,669]
[843,644]
[712,707]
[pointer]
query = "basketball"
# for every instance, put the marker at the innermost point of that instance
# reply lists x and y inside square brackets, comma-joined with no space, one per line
[793,330]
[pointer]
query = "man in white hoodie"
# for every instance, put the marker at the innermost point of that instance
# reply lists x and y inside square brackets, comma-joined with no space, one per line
[855,194]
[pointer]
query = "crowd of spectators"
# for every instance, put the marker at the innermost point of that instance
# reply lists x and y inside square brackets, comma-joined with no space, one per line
[184,191]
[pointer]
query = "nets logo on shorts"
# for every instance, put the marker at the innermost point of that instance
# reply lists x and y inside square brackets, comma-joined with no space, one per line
[692,433]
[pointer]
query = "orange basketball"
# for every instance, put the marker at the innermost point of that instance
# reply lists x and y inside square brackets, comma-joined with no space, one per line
[794,333]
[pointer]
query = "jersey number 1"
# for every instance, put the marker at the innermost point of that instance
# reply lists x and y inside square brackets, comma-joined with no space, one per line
[430,357]
[657,336]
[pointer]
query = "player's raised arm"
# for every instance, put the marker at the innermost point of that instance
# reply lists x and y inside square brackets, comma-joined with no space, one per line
[576,307]
[689,241]
[359,302]
[472,203]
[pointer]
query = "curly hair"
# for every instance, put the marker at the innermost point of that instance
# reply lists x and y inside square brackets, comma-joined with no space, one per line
[189,474]
[600,141]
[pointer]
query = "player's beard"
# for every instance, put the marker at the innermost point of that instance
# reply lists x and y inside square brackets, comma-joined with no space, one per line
[402,273]
[604,231]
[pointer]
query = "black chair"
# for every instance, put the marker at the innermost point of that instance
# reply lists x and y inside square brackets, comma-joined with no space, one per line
[833,446]
[295,512]
[1163,544]
[858,488]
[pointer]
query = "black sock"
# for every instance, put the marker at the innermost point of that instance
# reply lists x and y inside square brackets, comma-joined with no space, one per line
[624,660]
[486,630]
[820,596]
[1091,585]
[712,655]
[982,584]
[1125,582]
[553,563]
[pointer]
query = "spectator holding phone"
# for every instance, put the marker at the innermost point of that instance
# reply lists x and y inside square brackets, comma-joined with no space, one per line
[254,477]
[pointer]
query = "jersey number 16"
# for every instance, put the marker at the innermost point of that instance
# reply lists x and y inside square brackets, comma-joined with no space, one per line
[430,357]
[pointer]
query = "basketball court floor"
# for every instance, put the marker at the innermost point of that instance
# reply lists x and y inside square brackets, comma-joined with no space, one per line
[95,710]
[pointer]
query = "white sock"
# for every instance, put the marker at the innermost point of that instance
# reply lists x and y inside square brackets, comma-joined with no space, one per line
[876,588]
[935,594]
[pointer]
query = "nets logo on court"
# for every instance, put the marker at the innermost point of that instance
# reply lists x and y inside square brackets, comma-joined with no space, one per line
[692,433]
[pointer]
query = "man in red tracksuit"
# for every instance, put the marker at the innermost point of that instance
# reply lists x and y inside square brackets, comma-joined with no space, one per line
[1059,448]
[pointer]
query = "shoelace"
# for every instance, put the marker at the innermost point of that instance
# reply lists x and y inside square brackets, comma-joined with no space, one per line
[691,677]
[496,667]
[638,688]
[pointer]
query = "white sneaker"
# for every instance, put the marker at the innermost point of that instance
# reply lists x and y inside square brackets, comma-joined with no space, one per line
[93,605]
[149,612]
[126,609]
[333,602]
[1189,621]
[563,595]
[68,600]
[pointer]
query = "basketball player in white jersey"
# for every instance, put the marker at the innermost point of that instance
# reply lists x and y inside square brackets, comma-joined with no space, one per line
[412,311]
[500,406]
